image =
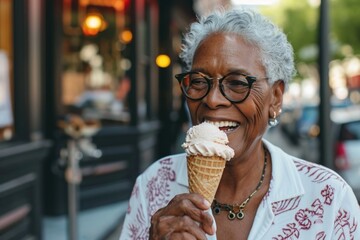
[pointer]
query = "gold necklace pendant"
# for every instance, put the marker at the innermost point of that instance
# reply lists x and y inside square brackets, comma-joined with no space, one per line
[240,215]
[234,211]
[231,215]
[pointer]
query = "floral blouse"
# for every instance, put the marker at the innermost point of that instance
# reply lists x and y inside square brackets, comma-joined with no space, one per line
[304,201]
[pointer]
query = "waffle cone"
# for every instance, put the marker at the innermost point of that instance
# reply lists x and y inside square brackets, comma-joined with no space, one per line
[204,174]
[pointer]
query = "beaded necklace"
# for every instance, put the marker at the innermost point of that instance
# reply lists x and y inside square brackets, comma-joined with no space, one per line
[237,210]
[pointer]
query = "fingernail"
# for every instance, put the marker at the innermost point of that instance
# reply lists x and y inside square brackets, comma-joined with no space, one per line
[206,202]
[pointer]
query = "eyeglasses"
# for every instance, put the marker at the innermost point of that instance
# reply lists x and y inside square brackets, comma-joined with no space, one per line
[234,86]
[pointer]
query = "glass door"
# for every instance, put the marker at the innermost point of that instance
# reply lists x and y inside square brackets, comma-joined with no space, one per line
[95,59]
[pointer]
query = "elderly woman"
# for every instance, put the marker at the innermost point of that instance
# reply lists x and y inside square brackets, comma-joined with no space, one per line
[264,193]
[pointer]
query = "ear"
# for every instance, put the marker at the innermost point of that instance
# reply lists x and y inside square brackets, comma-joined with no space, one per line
[277,89]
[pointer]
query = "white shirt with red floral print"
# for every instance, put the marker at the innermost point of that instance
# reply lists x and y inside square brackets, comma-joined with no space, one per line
[305,200]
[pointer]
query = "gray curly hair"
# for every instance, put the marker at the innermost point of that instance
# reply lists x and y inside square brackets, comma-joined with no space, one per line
[276,51]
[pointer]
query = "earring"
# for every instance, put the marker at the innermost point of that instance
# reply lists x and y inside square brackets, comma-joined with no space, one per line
[273,121]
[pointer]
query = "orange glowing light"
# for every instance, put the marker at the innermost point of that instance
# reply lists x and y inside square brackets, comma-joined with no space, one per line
[93,24]
[119,5]
[126,36]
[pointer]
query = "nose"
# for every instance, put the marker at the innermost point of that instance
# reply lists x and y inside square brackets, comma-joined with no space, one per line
[215,99]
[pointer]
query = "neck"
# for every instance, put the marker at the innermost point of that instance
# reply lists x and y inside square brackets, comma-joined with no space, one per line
[241,177]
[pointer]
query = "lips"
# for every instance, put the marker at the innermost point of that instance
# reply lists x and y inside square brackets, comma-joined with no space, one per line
[226,126]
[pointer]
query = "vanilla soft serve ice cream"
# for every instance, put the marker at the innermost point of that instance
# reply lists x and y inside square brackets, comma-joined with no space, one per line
[207,139]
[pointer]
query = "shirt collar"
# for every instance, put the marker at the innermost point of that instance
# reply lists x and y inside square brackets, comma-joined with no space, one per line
[285,182]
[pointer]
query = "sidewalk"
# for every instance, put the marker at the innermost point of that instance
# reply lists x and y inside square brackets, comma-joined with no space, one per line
[102,223]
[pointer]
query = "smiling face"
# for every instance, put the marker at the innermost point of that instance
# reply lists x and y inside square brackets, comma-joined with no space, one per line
[246,122]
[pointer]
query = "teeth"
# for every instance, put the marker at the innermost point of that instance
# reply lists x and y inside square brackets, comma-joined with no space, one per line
[223,123]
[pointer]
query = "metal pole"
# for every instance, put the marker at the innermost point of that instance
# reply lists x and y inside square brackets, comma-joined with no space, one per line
[73,178]
[324,107]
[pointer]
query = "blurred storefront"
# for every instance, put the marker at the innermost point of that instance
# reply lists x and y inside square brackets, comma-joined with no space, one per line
[83,70]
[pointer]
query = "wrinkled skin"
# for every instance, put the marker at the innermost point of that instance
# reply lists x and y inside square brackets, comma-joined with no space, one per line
[180,218]
[184,217]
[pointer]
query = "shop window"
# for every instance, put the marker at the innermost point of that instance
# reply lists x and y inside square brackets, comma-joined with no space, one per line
[6,72]
[95,60]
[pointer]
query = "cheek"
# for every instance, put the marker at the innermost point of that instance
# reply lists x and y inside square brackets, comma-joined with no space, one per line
[256,107]
[193,106]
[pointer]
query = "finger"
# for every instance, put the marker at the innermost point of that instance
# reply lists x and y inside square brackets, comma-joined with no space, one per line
[198,200]
[192,205]
[207,223]
[180,206]
[179,226]
[166,224]
[205,220]
[182,236]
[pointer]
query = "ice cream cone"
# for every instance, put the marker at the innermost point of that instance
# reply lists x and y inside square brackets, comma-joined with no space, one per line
[204,174]
[207,153]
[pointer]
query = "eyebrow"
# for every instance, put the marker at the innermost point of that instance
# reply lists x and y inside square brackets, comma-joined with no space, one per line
[202,70]
[239,70]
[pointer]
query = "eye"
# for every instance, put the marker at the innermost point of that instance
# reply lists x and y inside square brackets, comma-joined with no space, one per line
[236,83]
[235,80]
[198,82]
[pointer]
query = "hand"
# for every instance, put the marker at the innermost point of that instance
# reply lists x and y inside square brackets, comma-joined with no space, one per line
[183,218]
